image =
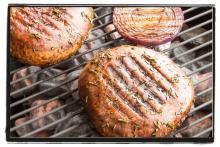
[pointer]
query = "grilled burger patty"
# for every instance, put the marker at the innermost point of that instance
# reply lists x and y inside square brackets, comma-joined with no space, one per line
[46,35]
[132,91]
[150,25]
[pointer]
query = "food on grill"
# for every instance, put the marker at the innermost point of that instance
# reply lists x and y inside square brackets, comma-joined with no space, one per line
[132,91]
[47,35]
[148,26]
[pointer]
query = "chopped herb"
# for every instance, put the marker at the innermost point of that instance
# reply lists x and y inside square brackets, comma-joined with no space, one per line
[86,99]
[105,125]
[108,55]
[190,82]
[70,43]
[83,14]
[151,60]
[153,134]
[170,90]
[115,105]
[136,127]
[95,61]
[170,125]
[95,83]
[36,35]
[175,78]
[157,124]
[48,39]
[93,71]
[182,119]
[56,12]
[159,110]
[122,120]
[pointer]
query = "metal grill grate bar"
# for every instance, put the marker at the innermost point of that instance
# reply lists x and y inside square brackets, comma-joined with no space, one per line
[194,123]
[189,10]
[66,105]
[37,106]
[203,132]
[189,40]
[46,114]
[196,59]
[201,106]
[53,123]
[199,15]
[41,92]
[15,81]
[192,50]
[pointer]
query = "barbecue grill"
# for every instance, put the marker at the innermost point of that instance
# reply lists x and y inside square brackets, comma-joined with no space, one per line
[195,17]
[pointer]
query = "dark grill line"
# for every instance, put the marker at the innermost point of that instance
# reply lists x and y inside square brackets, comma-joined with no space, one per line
[151,85]
[32,22]
[132,87]
[123,96]
[166,86]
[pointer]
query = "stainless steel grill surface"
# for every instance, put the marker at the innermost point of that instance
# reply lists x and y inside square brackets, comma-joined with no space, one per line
[44,102]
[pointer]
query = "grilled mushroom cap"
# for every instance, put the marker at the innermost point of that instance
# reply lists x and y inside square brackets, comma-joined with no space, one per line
[133,91]
[148,26]
[47,35]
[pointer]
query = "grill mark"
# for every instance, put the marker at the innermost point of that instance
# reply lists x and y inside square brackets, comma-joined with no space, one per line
[31,22]
[45,20]
[152,88]
[121,102]
[49,21]
[155,74]
[143,94]
[18,16]
[158,69]
[125,97]
[129,85]
[33,15]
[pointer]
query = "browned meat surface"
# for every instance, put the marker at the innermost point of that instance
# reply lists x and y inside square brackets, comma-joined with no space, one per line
[148,25]
[133,91]
[46,35]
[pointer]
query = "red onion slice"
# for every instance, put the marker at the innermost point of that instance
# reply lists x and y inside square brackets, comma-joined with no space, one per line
[148,26]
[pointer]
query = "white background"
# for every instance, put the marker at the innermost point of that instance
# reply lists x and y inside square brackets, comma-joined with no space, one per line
[3,58]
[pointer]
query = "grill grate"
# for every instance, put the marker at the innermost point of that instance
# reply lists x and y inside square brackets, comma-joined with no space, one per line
[193,16]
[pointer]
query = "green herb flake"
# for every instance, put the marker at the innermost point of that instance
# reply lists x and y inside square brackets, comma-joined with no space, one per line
[95,83]
[108,55]
[153,134]
[159,110]
[83,14]
[96,62]
[122,120]
[95,72]
[136,127]
[175,78]
[86,99]
[70,43]
[170,125]
[36,35]
[56,12]
[157,124]
[105,125]
[115,105]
